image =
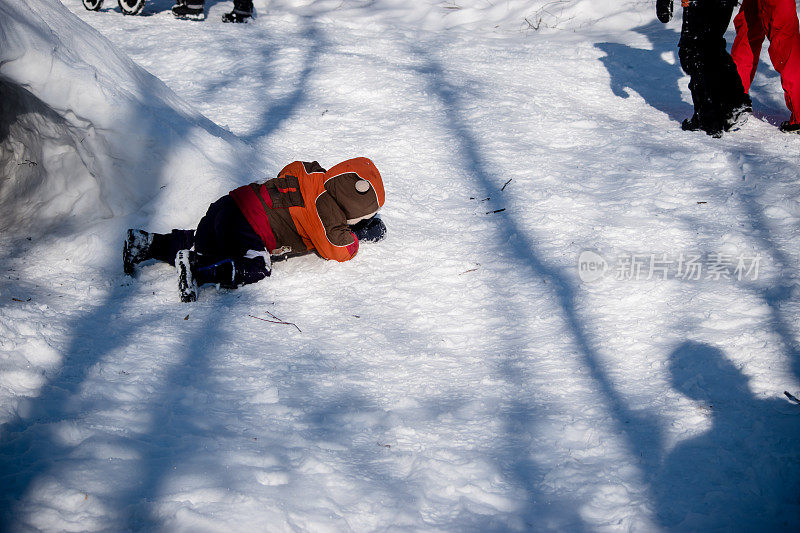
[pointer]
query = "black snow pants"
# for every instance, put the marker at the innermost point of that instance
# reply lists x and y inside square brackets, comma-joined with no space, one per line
[223,239]
[715,83]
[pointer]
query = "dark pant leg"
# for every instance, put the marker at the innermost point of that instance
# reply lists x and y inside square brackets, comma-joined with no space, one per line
[224,232]
[690,53]
[243,7]
[223,239]
[166,246]
[715,84]
[233,272]
[725,84]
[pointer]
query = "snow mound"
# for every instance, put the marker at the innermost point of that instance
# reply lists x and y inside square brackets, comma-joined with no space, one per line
[85,133]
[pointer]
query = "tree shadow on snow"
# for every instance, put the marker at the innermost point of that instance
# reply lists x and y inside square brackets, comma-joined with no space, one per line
[189,414]
[786,287]
[37,449]
[783,288]
[743,471]
[350,433]
[639,431]
[282,109]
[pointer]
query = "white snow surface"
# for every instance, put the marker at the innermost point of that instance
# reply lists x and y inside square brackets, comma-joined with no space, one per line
[458,375]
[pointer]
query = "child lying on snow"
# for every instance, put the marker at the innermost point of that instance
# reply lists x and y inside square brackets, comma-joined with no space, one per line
[304,209]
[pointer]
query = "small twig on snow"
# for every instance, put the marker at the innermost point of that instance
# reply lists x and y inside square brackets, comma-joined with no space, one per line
[531,25]
[276,321]
[471,269]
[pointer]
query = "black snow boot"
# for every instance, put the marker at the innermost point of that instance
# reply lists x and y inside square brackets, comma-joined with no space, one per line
[788,127]
[691,124]
[235,17]
[187,286]
[738,116]
[242,12]
[189,10]
[135,249]
[710,126]
[714,128]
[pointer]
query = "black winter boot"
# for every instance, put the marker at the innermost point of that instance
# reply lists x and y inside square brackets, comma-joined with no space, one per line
[788,127]
[696,123]
[235,17]
[714,128]
[242,12]
[187,286]
[691,124]
[135,249]
[737,116]
[189,10]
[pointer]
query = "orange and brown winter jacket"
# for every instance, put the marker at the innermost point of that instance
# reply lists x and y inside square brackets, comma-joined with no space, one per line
[308,208]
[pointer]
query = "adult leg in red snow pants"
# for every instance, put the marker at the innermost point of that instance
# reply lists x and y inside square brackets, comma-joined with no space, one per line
[775,20]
